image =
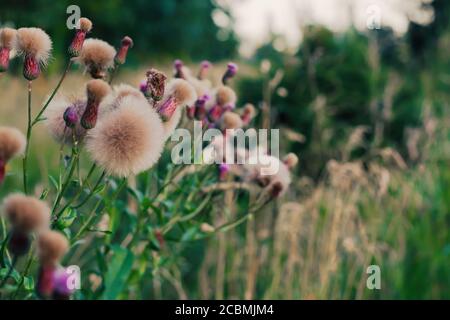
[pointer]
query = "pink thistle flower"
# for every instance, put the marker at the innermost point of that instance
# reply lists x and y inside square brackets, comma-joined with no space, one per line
[215,113]
[61,289]
[232,69]
[121,55]
[7,36]
[97,56]
[248,114]
[45,281]
[12,143]
[85,25]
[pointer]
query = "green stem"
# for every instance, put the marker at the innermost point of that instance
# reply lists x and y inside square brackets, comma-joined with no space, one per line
[80,190]
[25,273]
[10,270]
[66,183]
[66,71]
[91,194]
[29,127]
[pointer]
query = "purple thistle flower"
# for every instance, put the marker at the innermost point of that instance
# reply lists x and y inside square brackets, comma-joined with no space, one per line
[232,69]
[200,110]
[223,171]
[178,66]
[70,117]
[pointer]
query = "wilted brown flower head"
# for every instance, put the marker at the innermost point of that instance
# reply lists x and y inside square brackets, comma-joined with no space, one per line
[26,214]
[156,83]
[127,140]
[85,25]
[97,56]
[7,36]
[96,90]
[51,247]
[121,56]
[35,46]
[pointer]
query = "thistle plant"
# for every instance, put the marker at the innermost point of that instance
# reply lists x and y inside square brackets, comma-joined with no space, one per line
[109,136]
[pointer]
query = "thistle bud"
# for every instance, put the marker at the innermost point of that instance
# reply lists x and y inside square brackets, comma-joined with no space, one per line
[200,109]
[215,113]
[96,90]
[35,45]
[178,66]
[7,36]
[121,56]
[85,25]
[45,281]
[232,69]
[19,243]
[155,85]
[70,117]
[31,68]
[204,68]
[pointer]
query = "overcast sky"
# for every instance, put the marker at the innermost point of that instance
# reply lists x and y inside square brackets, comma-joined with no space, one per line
[255,18]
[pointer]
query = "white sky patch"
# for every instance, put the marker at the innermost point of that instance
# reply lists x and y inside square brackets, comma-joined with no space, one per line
[256,20]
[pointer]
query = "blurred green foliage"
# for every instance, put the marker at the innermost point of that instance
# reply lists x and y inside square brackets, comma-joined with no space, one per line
[169,28]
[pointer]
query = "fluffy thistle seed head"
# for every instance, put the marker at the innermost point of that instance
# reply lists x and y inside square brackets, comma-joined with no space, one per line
[179,93]
[231,120]
[96,90]
[57,121]
[127,140]
[248,113]
[35,46]
[113,100]
[291,160]
[85,25]
[12,143]
[26,214]
[7,36]
[204,68]
[97,56]
[51,246]
[225,95]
